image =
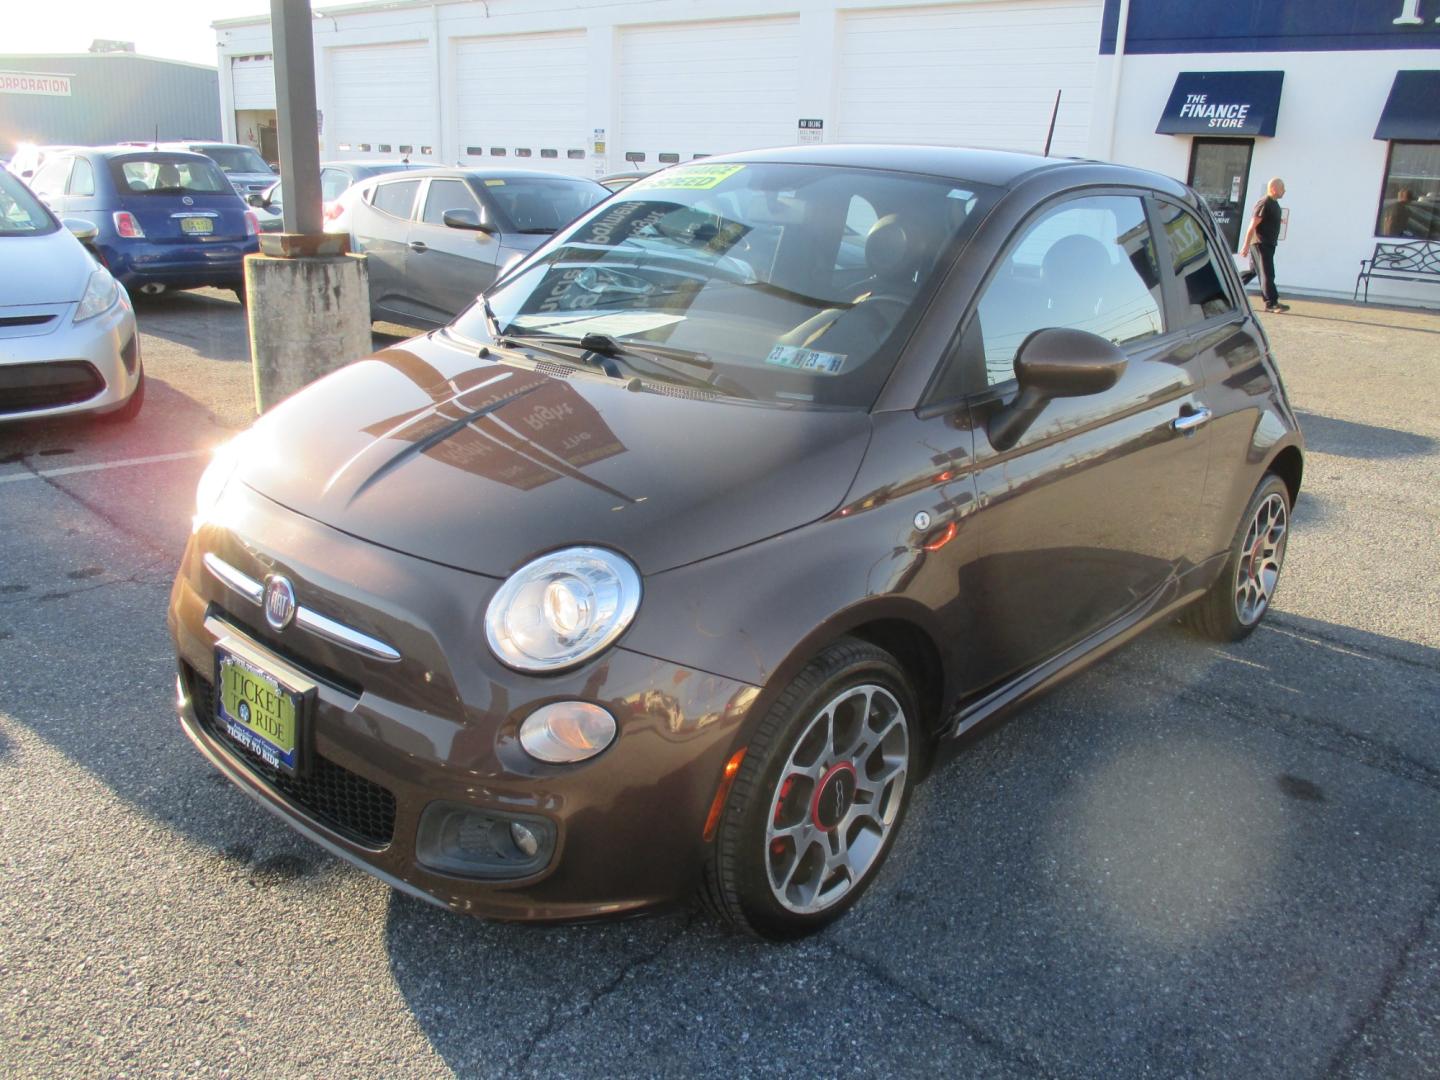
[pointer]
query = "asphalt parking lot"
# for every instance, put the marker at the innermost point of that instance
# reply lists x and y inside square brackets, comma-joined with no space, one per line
[1191,860]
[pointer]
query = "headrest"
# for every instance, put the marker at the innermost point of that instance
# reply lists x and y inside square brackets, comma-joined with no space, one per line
[889,248]
[1076,257]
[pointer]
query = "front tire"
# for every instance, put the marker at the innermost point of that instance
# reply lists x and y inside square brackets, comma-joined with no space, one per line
[1239,598]
[819,797]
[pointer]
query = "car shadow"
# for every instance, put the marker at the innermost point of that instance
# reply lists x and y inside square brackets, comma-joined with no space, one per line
[208,322]
[1346,438]
[1138,870]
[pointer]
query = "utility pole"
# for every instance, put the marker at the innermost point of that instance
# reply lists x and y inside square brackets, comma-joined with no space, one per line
[309,299]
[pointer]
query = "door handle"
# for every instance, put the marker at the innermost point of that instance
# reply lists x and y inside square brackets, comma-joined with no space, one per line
[1188,422]
[418,245]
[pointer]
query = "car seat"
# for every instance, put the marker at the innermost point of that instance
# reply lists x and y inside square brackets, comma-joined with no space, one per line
[168,176]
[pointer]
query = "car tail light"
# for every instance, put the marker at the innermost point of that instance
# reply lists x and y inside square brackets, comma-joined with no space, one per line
[127,226]
[333,210]
[252,223]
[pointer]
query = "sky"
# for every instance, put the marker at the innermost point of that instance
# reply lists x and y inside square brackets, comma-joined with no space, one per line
[174,30]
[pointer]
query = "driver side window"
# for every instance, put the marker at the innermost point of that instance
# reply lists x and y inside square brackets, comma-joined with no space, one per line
[1086,264]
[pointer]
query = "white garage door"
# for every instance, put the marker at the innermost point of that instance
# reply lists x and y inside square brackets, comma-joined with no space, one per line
[706,88]
[520,101]
[978,75]
[381,102]
[253,80]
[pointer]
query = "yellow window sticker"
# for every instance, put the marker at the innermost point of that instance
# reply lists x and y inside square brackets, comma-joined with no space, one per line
[693,177]
[494,183]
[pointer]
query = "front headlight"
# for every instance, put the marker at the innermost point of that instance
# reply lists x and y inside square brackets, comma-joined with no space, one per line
[213,481]
[101,292]
[562,609]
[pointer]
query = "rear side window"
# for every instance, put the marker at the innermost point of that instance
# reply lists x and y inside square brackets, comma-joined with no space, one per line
[333,183]
[395,198]
[159,175]
[49,179]
[82,178]
[1193,258]
[447,195]
[1085,264]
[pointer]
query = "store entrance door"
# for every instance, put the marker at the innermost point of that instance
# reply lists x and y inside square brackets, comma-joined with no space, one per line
[1220,173]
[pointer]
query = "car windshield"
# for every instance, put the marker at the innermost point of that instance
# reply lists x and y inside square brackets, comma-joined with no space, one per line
[789,284]
[539,205]
[158,174]
[21,213]
[236,159]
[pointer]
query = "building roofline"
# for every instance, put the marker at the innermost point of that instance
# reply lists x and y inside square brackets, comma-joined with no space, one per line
[104,55]
[362,8]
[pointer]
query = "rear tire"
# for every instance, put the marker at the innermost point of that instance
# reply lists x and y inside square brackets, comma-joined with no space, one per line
[1240,597]
[819,797]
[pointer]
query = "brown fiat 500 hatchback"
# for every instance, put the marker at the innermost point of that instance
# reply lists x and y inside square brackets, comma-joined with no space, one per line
[669,567]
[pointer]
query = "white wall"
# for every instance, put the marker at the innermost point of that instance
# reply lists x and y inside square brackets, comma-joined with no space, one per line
[1323,148]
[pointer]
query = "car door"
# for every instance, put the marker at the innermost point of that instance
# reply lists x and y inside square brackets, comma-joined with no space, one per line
[446,268]
[380,229]
[1084,521]
[1230,348]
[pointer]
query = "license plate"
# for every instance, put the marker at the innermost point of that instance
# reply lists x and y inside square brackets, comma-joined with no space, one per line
[194,226]
[259,713]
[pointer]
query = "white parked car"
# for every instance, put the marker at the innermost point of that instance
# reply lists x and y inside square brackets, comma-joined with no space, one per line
[68,341]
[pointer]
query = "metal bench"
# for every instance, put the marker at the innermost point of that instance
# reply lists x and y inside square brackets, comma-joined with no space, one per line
[1414,260]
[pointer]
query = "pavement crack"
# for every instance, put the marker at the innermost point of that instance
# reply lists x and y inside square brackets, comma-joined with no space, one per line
[1388,984]
[559,1019]
[1325,734]
[978,1035]
[1293,628]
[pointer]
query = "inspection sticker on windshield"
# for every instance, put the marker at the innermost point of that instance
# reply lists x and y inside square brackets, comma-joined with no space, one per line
[792,356]
[693,177]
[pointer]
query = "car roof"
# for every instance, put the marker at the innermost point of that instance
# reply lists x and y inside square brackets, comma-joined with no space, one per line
[493,174]
[139,151]
[998,168]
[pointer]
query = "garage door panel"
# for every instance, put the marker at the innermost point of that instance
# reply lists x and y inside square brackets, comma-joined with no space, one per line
[523,91]
[381,95]
[708,88]
[986,73]
[252,79]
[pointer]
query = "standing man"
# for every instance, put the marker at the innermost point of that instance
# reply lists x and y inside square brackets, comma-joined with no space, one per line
[1263,235]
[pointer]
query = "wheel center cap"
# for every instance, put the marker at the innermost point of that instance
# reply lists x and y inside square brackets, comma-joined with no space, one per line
[834,796]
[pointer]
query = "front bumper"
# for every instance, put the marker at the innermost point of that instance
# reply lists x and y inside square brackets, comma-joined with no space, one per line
[108,343]
[441,724]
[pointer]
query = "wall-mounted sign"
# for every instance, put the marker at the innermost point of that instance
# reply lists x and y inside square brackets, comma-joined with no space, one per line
[1222,103]
[34,82]
[810,131]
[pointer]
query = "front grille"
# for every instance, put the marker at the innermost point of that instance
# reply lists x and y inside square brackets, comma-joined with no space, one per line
[343,801]
[46,385]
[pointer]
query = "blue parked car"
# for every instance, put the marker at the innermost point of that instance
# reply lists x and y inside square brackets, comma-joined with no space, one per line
[167,219]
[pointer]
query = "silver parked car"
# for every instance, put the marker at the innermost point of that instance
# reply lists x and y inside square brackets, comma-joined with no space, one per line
[242,165]
[67,332]
[336,178]
[438,238]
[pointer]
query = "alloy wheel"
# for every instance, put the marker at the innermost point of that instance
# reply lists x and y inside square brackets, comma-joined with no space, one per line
[837,799]
[1258,569]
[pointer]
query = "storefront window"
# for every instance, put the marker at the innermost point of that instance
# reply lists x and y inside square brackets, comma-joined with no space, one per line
[1410,203]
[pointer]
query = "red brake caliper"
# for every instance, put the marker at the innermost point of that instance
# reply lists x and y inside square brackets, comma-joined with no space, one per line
[777,846]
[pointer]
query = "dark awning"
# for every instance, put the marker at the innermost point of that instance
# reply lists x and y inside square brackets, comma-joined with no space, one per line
[1222,103]
[1413,108]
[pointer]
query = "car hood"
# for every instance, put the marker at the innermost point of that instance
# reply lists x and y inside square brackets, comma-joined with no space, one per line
[49,269]
[482,465]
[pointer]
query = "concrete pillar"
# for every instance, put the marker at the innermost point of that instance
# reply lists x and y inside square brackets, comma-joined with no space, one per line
[308,317]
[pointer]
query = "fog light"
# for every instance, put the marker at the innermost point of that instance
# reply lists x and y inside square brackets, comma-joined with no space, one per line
[525,840]
[465,840]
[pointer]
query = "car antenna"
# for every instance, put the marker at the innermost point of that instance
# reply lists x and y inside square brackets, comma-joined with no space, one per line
[1053,114]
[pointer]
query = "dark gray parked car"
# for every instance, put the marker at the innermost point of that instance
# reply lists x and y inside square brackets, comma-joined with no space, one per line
[438,238]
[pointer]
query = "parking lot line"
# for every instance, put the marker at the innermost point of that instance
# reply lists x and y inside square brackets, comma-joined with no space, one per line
[41,474]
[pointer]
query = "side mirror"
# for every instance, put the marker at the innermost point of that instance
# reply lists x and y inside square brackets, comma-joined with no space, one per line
[1054,363]
[256,198]
[467,219]
[82,230]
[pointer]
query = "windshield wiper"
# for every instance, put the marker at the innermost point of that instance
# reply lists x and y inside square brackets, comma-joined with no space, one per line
[660,357]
